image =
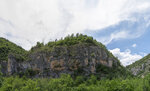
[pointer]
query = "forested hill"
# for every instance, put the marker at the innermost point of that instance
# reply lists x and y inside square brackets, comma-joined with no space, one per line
[7,47]
[75,63]
[75,55]
[140,67]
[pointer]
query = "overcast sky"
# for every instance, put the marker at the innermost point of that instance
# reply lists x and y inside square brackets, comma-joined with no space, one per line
[122,25]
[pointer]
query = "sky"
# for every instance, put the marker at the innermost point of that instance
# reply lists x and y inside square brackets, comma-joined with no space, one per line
[122,25]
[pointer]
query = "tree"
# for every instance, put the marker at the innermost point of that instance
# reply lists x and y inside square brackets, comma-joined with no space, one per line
[38,45]
[1,77]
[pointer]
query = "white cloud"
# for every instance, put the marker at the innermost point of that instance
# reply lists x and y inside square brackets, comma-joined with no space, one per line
[38,20]
[134,45]
[114,36]
[126,57]
[130,29]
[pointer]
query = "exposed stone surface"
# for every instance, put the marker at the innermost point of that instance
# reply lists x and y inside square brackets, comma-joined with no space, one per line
[140,69]
[77,58]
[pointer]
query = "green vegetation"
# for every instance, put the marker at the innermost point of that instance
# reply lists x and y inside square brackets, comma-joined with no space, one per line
[141,65]
[1,78]
[105,79]
[7,47]
[111,73]
[70,40]
[66,42]
[80,83]
[139,62]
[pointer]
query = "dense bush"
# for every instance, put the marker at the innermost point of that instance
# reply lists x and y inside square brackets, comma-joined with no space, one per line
[66,83]
[7,47]
[1,78]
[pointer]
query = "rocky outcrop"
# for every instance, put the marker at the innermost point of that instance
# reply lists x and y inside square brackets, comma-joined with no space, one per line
[76,59]
[140,67]
[137,70]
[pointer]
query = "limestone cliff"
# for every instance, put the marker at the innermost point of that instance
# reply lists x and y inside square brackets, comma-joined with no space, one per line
[82,57]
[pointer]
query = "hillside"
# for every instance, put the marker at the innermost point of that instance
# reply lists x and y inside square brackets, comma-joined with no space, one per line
[140,67]
[75,55]
[7,47]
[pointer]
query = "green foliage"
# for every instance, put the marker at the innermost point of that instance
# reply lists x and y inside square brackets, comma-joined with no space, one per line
[92,54]
[66,83]
[38,46]
[30,72]
[70,40]
[7,47]
[113,80]
[142,63]
[67,41]
[79,80]
[103,68]
[1,78]
[139,62]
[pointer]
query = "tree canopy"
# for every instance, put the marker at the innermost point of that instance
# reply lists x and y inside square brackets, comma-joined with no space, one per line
[7,47]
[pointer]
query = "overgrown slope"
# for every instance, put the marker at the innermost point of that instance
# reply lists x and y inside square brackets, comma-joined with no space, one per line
[140,67]
[70,40]
[7,47]
[75,55]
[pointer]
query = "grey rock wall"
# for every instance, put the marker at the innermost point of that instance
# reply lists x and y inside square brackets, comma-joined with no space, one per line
[70,60]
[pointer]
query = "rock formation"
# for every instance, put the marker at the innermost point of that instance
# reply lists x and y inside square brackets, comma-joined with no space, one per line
[82,57]
[141,67]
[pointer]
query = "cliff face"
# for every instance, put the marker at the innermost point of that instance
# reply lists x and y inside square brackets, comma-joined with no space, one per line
[74,60]
[75,55]
[141,67]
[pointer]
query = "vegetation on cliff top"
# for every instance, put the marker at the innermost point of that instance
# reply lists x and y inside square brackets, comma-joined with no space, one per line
[116,80]
[70,40]
[7,47]
[141,67]
[139,62]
